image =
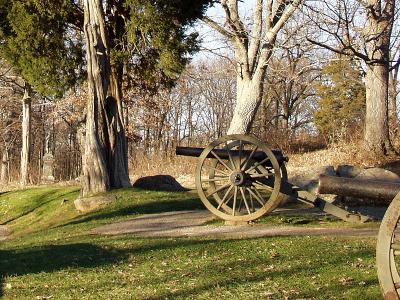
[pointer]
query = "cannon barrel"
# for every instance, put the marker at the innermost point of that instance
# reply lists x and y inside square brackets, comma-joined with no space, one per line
[358,188]
[223,154]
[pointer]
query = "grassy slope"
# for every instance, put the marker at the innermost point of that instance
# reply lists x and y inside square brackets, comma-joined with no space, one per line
[51,254]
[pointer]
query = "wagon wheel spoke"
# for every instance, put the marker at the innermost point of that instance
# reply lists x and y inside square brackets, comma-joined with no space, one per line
[217,170]
[240,152]
[221,188]
[230,155]
[234,201]
[258,164]
[221,161]
[225,199]
[215,179]
[261,185]
[245,201]
[243,168]
[257,197]
[251,201]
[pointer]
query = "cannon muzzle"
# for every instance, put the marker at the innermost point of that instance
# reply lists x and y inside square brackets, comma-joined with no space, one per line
[223,154]
[358,188]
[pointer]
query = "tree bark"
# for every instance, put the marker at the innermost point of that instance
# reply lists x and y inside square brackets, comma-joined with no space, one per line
[376,134]
[378,31]
[4,167]
[105,163]
[248,99]
[118,159]
[96,177]
[26,136]
[118,152]
[393,118]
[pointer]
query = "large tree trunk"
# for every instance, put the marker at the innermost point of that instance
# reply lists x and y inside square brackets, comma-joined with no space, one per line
[248,99]
[26,136]
[376,134]
[95,169]
[378,32]
[105,162]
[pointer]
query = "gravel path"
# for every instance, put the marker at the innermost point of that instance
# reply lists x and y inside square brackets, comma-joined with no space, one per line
[193,223]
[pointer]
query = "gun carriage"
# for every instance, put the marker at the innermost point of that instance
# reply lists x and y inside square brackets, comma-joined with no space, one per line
[239,178]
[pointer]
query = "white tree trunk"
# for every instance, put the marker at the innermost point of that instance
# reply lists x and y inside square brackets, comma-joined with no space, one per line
[253,50]
[26,136]
[4,167]
[376,134]
[248,99]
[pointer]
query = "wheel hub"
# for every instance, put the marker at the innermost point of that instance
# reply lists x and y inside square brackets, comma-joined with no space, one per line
[237,178]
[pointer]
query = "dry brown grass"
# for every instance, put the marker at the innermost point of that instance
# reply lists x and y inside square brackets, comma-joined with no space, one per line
[351,153]
[180,167]
[183,168]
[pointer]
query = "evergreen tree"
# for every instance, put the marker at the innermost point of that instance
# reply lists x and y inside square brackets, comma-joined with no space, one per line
[146,43]
[342,99]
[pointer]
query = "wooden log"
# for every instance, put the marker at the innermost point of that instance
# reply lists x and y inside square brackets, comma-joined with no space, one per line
[358,188]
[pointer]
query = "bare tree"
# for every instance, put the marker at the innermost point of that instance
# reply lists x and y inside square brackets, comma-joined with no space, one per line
[26,135]
[253,46]
[362,29]
[215,85]
[291,85]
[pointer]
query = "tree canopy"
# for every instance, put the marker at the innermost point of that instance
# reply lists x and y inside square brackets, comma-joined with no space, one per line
[342,98]
[43,40]
[38,41]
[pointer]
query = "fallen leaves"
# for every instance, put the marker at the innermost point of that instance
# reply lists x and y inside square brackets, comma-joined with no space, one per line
[346,280]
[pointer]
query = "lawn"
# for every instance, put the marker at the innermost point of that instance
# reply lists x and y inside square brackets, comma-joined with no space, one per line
[51,255]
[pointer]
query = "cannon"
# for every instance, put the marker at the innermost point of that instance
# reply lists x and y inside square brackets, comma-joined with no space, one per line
[388,243]
[239,178]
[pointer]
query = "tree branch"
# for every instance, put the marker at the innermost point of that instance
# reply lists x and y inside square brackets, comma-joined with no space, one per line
[217,27]
[255,34]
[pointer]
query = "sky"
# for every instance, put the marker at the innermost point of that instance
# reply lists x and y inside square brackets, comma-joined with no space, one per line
[213,44]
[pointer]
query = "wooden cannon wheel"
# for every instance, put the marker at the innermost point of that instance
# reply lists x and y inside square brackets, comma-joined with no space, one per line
[388,251]
[238,187]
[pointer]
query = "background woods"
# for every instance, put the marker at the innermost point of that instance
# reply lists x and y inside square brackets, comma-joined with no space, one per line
[305,90]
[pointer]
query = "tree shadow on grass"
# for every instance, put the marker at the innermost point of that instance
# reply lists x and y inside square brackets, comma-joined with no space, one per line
[247,276]
[148,208]
[40,200]
[51,258]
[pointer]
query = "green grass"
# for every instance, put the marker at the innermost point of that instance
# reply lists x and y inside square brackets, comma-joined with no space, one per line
[52,254]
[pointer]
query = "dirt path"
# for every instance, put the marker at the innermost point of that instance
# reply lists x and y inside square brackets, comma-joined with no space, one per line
[193,223]
[4,232]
